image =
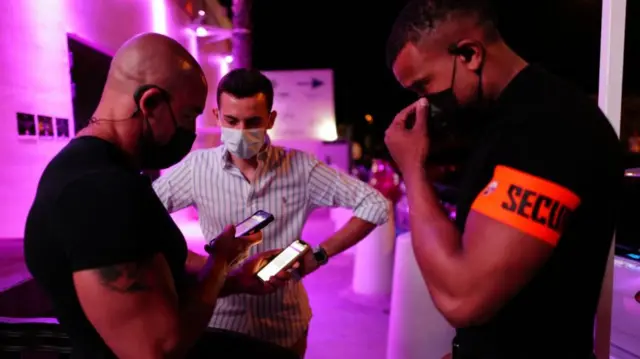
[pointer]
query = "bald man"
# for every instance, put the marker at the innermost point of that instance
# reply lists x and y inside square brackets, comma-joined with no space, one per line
[520,271]
[97,238]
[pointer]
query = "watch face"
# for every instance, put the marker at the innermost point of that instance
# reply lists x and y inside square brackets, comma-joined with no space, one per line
[320,255]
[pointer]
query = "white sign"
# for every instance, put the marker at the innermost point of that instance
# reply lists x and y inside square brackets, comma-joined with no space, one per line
[305,106]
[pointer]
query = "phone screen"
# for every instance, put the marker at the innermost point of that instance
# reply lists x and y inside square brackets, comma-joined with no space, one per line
[249,223]
[282,260]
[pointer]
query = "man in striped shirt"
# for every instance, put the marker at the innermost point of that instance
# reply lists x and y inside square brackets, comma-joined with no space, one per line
[247,173]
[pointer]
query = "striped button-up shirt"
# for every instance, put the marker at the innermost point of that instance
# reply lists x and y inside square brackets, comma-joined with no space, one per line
[289,184]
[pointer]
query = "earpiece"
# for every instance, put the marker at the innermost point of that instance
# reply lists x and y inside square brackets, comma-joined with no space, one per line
[466,52]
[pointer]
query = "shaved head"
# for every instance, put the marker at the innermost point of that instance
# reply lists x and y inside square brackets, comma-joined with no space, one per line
[154,92]
[154,59]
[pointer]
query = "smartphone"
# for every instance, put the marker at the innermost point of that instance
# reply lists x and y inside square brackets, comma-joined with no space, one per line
[253,224]
[283,260]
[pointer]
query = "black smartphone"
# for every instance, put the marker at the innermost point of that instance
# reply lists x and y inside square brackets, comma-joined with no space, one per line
[253,224]
[284,259]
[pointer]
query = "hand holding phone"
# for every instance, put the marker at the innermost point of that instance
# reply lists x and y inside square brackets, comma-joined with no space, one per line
[284,260]
[244,279]
[230,248]
[247,233]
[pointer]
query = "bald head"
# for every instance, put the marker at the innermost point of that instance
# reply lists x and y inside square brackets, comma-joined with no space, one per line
[154,59]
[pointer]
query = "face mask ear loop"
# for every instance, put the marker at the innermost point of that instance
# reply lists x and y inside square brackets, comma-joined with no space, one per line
[480,87]
[453,74]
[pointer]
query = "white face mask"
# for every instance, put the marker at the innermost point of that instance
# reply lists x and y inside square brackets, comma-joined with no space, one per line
[243,143]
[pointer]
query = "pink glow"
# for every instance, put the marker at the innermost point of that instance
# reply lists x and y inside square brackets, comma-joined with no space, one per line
[224,65]
[192,44]
[159,16]
[37,79]
[201,31]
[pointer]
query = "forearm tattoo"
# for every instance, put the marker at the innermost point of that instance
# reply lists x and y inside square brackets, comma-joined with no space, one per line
[124,278]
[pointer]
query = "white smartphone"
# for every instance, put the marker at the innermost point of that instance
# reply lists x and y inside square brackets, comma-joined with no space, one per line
[284,259]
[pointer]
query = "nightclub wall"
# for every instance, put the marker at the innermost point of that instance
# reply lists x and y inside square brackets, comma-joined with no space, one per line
[36,80]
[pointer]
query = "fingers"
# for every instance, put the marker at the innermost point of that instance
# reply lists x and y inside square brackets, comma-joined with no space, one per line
[228,232]
[279,280]
[401,118]
[421,115]
[265,257]
[252,238]
[282,276]
[419,108]
[270,254]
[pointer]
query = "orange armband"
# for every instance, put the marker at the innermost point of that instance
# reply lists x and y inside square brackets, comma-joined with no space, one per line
[533,205]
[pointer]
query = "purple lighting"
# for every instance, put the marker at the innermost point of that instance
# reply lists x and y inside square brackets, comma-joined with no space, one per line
[201,31]
[223,63]
[159,16]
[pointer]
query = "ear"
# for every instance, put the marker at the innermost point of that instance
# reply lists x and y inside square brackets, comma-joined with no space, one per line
[471,54]
[272,119]
[149,101]
[216,114]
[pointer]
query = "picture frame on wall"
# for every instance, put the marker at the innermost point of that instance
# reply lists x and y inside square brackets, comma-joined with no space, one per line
[62,128]
[26,125]
[45,127]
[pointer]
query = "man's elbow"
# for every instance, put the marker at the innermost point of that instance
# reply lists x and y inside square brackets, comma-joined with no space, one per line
[382,210]
[463,312]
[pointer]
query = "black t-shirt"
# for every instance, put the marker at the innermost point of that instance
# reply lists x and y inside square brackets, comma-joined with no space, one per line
[93,210]
[548,129]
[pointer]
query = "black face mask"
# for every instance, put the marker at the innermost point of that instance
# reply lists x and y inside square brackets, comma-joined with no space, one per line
[446,116]
[451,127]
[155,156]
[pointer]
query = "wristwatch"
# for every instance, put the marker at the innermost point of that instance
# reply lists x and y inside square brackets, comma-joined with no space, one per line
[320,255]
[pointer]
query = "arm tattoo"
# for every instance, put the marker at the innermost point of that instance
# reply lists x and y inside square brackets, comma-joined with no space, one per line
[124,278]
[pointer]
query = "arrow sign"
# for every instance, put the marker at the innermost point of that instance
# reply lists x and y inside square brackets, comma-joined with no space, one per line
[314,83]
[304,100]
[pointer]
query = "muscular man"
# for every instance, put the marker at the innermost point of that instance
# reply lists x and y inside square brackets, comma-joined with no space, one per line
[97,238]
[519,273]
[247,173]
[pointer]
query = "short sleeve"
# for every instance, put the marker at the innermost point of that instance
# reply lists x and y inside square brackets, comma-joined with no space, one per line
[537,183]
[107,219]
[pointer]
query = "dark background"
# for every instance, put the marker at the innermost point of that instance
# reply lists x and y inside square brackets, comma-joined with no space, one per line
[561,35]
[89,69]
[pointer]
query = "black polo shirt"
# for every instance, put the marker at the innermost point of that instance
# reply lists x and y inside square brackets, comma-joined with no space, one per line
[93,210]
[548,131]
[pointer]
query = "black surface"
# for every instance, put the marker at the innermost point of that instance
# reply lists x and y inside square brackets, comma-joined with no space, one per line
[89,69]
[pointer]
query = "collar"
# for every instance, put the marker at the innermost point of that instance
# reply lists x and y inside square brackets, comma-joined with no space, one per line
[266,152]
